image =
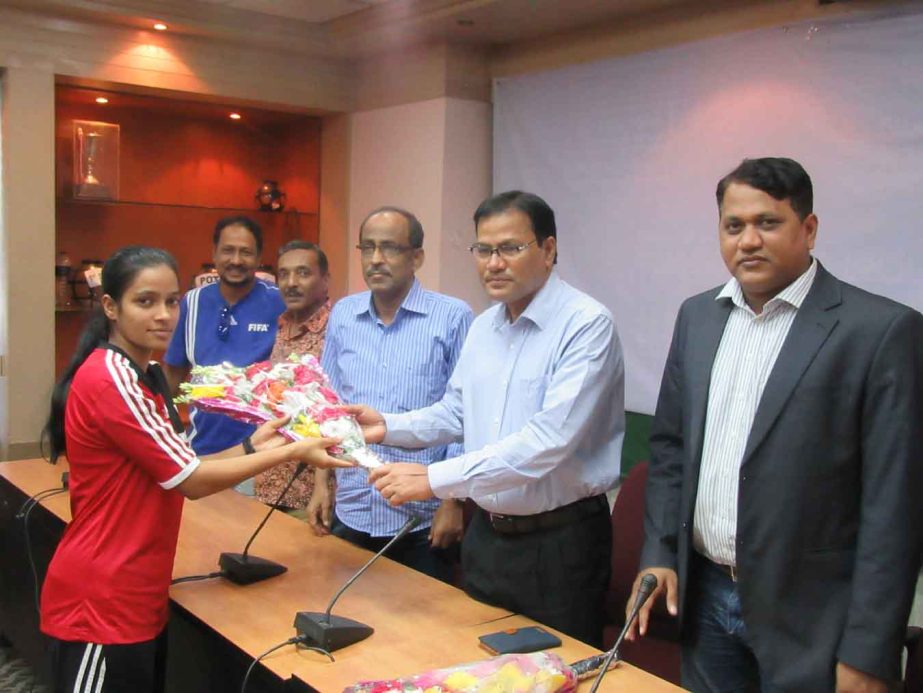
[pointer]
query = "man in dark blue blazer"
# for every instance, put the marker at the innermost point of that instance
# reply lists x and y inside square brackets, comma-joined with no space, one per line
[783,504]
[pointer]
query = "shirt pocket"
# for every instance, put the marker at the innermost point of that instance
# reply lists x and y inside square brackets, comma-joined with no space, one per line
[421,384]
[530,392]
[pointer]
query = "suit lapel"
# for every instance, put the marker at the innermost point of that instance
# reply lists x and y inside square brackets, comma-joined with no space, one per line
[813,323]
[701,352]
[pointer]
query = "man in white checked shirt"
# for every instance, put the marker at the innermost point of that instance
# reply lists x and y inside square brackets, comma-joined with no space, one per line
[781,515]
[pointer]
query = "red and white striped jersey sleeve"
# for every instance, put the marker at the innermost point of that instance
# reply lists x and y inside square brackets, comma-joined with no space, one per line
[135,423]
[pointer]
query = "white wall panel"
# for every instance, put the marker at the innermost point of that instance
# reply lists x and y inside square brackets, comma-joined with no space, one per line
[628,151]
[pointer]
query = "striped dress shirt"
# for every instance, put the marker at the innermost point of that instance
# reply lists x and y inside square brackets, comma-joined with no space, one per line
[746,356]
[397,367]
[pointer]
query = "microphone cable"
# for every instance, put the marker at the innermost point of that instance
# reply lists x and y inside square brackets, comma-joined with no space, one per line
[298,640]
[24,513]
[196,578]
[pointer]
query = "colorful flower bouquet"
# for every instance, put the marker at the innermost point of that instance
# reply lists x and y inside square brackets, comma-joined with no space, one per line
[538,672]
[264,391]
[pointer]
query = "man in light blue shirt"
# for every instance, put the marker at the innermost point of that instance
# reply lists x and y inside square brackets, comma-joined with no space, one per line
[537,396]
[394,346]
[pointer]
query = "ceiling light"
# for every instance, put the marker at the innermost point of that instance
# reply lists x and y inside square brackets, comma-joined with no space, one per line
[102,99]
[234,116]
[160,26]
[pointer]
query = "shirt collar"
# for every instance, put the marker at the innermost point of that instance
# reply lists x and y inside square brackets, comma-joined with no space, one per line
[793,294]
[316,322]
[541,308]
[243,299]
[414,301]
[153,379]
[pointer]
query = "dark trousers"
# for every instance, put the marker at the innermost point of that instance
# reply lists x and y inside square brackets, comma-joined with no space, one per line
[413,551]
[558,577]
[82,667]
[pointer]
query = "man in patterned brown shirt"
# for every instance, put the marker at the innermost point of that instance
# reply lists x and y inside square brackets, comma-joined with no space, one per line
[302,275]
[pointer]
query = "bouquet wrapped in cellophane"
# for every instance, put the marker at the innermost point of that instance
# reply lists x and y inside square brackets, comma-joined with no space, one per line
[538,672]
[264,391]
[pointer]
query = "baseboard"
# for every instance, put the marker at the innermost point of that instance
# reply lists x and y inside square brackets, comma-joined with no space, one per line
[23,451]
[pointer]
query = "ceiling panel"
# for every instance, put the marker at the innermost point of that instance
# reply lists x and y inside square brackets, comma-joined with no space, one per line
[311,11]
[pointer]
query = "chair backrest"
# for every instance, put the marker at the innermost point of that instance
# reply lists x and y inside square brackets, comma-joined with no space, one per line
[627,540]
[913,673]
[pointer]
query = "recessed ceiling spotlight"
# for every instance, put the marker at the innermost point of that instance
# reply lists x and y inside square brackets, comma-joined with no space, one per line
[102,99]
[160,26]
[234,116]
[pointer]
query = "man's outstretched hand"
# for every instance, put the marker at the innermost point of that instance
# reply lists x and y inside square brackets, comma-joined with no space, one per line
[400,482]
[371,422]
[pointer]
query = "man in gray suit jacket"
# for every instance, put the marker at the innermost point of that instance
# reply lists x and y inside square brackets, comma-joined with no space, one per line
[783,503]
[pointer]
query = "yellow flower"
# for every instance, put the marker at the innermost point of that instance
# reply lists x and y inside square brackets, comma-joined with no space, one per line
[305,427]
[204,391]
[507,679]
[460,680]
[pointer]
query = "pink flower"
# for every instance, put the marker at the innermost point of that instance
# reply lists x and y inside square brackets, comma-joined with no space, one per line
[329,394]
[321,413]
[305,375]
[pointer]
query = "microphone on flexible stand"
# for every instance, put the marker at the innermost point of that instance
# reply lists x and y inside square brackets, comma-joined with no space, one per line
[334,632]
[244,569]
[585,667]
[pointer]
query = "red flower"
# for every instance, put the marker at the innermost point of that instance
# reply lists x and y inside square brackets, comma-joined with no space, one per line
[276,390]
[258,367]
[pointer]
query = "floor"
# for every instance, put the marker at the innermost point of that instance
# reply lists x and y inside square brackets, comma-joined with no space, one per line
[15,674]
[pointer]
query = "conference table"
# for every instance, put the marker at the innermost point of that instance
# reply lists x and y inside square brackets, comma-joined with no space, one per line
[217,627]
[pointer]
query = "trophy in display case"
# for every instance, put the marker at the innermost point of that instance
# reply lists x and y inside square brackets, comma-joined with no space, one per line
[96,160]
[269,197]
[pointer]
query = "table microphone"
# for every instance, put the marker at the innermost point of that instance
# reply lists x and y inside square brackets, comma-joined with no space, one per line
[647,586]
[334,632]
[244,569]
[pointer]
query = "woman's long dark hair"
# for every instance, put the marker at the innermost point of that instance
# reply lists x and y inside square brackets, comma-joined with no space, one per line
[119,272]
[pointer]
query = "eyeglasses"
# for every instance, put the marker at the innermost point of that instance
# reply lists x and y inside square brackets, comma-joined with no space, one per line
[388,250]
[224,323]
[482,251]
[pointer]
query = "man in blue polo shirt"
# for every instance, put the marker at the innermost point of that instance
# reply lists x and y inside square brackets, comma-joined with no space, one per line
[395,345]
[233,320]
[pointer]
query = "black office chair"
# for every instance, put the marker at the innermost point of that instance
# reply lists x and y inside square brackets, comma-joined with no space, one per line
[913,672]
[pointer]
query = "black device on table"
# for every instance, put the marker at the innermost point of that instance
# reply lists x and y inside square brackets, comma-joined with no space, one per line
[519,640]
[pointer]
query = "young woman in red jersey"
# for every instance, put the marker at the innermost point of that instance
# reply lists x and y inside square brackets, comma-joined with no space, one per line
[105,597]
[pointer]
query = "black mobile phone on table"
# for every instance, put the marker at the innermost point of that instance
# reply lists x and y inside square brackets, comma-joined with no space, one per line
[519,640]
